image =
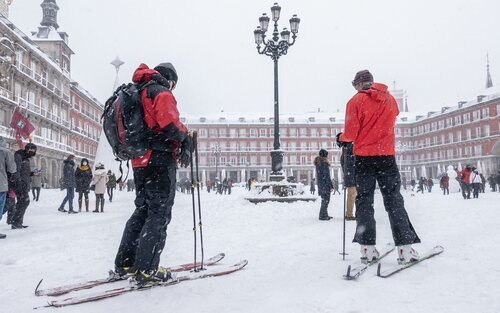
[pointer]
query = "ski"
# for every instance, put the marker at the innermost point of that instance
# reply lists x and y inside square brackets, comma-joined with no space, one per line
[354,273]
[437,250]
[61,290]
[183,276]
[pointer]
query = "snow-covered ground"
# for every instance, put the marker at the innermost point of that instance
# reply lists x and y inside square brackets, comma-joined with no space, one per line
[294,262]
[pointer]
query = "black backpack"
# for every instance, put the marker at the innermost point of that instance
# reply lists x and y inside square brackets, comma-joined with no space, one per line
[123,122]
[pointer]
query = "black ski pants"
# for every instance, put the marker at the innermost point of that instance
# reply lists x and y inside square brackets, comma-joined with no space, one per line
[36,193]
[145,233]
[381,169]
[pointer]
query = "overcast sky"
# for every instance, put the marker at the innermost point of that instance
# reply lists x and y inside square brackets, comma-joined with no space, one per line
[436,50]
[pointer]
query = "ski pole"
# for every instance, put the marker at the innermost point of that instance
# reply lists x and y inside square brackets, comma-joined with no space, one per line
[194,209]
[200,224]
[345,204]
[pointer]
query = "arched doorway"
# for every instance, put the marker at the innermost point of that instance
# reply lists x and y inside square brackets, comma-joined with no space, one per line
[45,172]
[54,180]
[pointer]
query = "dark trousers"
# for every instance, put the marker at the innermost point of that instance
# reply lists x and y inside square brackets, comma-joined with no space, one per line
[82,194]
[110,193]
[475,190]
[325,200]
[446,191]
[381,169]
[70,194]
[465,190]
[36,193]
[145,233]
[23,200]
[99,200]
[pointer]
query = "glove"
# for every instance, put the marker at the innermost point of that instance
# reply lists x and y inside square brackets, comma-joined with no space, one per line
[186,151]
[340,143]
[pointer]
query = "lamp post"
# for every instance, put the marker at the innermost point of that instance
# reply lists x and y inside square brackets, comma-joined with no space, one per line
[275,47]
[216,152]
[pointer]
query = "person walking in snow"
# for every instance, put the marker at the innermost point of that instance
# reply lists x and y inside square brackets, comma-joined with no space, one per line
[69,184]
[83,178]
[22,184]
[145,233]
[335,184]
[312,187]
[98,184]
[8,170]
[111,185]
[430,184]
[325,185]
[463,178]
[347,164]
[369,124]
[476,183]
[36,183]
[444,183]
[421,184]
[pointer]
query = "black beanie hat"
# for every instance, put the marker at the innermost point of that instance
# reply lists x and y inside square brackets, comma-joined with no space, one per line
[167,70]
[323,153]
[363,76]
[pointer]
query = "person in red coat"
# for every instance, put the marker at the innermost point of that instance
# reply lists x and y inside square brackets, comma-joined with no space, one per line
[369,124]
[464,180]
[145,233]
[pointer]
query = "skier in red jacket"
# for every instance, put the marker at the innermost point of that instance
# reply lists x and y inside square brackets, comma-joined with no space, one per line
[144,236]
[369,124]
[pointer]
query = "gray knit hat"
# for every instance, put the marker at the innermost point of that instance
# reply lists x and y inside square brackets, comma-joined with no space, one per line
[363,76]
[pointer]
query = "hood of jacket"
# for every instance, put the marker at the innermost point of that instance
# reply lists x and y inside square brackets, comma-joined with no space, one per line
[319,160]
[71,162]
[144,74]
[101,172]
[378,92]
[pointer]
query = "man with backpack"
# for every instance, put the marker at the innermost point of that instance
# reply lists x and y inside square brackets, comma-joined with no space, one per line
[144,236]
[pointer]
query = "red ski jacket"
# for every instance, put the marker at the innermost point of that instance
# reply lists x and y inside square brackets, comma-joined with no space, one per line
[369,121]
[160,113]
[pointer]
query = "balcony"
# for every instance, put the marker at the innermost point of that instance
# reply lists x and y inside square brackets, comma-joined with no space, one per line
[34,108]
[40,79]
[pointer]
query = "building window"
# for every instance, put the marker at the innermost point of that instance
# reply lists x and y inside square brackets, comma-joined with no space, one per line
[459,136]
[478,150]
[485,113]
[478,132]
[203,132]
[243,160]
[253,132]
[314,132]
[222,132]
[213,132]
[303,160]
[262,132]
[243,132]
[233,133]
[468,134]
[486,130]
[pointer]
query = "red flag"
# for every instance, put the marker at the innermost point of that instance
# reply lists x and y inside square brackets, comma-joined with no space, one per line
[21,124]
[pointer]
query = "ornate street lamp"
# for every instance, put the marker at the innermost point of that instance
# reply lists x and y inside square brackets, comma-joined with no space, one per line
[275,47]
[216,150]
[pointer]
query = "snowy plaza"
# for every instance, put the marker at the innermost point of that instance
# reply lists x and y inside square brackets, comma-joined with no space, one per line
[294,262]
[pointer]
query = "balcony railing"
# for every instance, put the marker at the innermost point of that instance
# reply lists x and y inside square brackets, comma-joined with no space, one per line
[40,79]
[37,109]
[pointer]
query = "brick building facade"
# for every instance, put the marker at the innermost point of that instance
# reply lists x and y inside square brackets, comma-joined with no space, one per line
[239,145]
[35,77]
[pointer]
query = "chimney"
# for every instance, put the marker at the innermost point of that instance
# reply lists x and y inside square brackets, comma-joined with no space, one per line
[480,98]
[461,103]
[4,8]
[443,109]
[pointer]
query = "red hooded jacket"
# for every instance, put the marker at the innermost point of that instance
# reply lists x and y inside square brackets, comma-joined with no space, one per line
[369,121]
[160,113]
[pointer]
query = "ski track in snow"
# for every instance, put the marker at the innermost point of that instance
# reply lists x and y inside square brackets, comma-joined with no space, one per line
[294,261]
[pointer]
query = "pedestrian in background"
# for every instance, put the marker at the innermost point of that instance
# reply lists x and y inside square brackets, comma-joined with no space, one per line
[111,185]
[99,185]
[348,167]
[312,187]
[325,185]
[36,183]
[444,183]
[8,170]
[69,184]
[83,178]
[22,184]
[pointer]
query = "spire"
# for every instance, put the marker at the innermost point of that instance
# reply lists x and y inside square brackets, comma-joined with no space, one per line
[489,82]
[117,63]
[49,8]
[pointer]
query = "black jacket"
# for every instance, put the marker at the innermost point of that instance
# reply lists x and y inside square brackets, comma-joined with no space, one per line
[349,166]
[323,179]
[83,177]
[24,171]
[69,174]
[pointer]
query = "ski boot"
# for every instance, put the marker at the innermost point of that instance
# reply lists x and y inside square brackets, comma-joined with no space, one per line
[369,254]
[407,254]
[122,273]
[160,276]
